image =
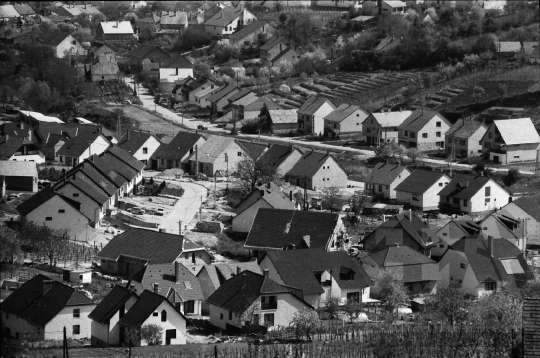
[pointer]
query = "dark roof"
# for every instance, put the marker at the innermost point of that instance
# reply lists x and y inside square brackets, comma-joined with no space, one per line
[56,39]
[239,292]
[10,145]
[121,167]
[147,303]
[275,41]
[529,206]
[109,169]
[418,119]
[110,304]
[24,9]
[297,268]
[134,140]
[222,93]
[76,146]
[84,185]
[214,146]
[253,149]
[344,111]
[30,303]
[240,94]
[178,62]
[248,30]
[258,104]
[39,198]
[313,104]
[309,164]
[179,146]
[464,186]
[224,17]
[420,181]
[127,158]
[276,154]
[469,226]
[464,129]
[277,228]
[102,182]
[384,173]
[156,247]
[416,228]
[284,53]
[409,260]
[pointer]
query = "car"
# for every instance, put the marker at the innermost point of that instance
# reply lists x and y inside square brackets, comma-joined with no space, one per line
[126,101]
[138,211]
[202,128]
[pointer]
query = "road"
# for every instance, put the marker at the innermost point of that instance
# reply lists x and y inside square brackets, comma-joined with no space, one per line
[185,208]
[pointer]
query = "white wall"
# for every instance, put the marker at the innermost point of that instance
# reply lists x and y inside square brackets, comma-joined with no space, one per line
[66,46]
[65,318]
[498,198]
[151,146]
[174,74]
[110,335]
[39,158]
[329,175]
[427,201]
[174,321]
[88,207]
[532,226]
[318,118]
[289,162]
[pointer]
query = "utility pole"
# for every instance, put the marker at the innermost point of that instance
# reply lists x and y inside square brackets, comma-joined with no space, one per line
[215,189]
[306,205]
[196,159]
[179,227]
[200,210]
[227,161]
[537,163]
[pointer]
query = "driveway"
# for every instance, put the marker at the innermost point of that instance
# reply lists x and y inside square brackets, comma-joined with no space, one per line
[185,208]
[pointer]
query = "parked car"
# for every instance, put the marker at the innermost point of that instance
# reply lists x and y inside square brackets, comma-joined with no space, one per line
[138,211]
[201,127]
[126,101]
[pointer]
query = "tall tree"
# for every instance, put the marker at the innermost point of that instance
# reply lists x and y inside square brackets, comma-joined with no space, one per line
[450,301]
[252,173]
[391,291]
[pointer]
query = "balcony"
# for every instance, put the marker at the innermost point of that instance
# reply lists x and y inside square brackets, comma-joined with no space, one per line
[497,148]
[268,306]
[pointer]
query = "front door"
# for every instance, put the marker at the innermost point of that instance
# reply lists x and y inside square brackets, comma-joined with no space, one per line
[495,159]
[169,334]
[122,334]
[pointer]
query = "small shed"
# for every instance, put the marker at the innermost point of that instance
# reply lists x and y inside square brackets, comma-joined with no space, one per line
[77,276]
[19,176]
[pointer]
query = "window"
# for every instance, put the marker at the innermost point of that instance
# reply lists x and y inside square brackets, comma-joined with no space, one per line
[221,316]
[189,306]
[490,135]
[7,315]
[438,124]
[465,203]
[380,188]
[61,159]
[449,140]
[440,184]
[488,200]
[406,133]
[516,156]
[48,218]
[269,319]
[415,198]
[488,191]
[413,135]
[239,154]
[268,302]
[192,257]
[353,296]
[155,314]
[74,42]
[76,312]
[491,286]
[424,135]
[230,315]
[462,142]
[441,246]
[61,211]
[462,265]
[438,134]
[76,329]
[163,316]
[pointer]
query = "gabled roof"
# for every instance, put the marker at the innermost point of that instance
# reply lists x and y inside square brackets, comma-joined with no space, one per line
[313,104]
[224,17]
[239,292]
[283,116]
[24,9]
[517,131]
[126,157]
[508,46]
[387,43]
[529,206]
[110,304]
[384,173]
[391,119]
[277,228]
[144,50]
[395,3]
[242,93]
[147,303]
[273,42]
[156,247]
[468,226]
[31,303]
[221,272]
[465,129]
[11,145]
[179,146]
[73,11]
[177,18]
[107,169]
[56,39]
[222,93]
[132,141]
[41,197]
[408,259]
[258,104]
[283,54]
[419,118]
[297,268]
[416,228]
[41,117]
[248,30]
[309,164]
[76,146]
[276,154]
[214,146]
[344,111]
[464,186]
[177,62]
[116,27]
[8,11]
[253,149]
[85,185]
[16,168]
[420,181]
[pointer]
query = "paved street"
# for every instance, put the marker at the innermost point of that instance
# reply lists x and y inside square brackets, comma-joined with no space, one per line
[186,207]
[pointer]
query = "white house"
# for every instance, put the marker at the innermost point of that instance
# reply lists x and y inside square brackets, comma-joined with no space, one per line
[317,170]
[227,21]
[281,157]
[24,316]
[311,115]
[347,119]
[77,149]
[421,188]
[451,232]
[175,69]
[384,178]
[423,129]
[142,145]
[528,211]
[65,45]
[383,127]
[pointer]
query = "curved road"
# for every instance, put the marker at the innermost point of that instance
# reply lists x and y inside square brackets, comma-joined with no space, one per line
[185,208]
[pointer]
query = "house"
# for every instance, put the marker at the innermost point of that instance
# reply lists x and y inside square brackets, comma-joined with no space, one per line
[274,47]
[103,53]
[192,91]
[384,178]
[383,127]
[126,165]
[8,12]
[20,149]
[176,153]
[173,22]
[277,229]
[423,129]
[35,118]
[41,308]
[419,273]
[265,196]
[173,281]
[311,115]
[208,11]
[472,195]
[281,157]
[211,277]
[226,22]
[153,308]
[151,57]
[72,10]
[511,141]
[483,266]
[240,101]
[317,170]
[464,138]
[64,44]
[105,72]
[420,189]
[287,55]
[253,150]
[128,252]
[217,154]
[502,225]
[21,176]
[77,149]
[250,111]
[527,211]
[56,211]
[387,44]
[251,298]
[114,31]
[283,120]
[252,35]
[176,68]
[451,232]
[393,7]
[141,145]
[106,331]
[321,275]
[347,119]
[219,99]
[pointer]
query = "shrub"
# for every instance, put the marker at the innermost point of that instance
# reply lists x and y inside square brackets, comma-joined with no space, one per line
[512,177]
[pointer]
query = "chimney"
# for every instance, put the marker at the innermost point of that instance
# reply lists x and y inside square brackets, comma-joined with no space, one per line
[7,137]
[116,24]
[491,248]
[2,186]
[238,270]
[47,285]
[132,288]
[177,270]
[290,195]
[156,288]
[22,125]
[410,215]
[266,273]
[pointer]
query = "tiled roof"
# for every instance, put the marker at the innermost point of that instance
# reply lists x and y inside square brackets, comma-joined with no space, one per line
[415,266]
[529,206]
[416,228]
[420,181]
[248,30]
[240,94]
[179,146]
[344,111]
[41,118]
[313,104]
[391,119]
[156,247]
[283,116]
[219,273]
[289,50]
[41,197]
[297,268]
[213,147]
[395,3]
[24,9]
[126,157]
[76,146]
[508,46]
[418,119]
[308,165]
[30,303]
[88,9]
[464,186]
[258,104]
[116,27]
[10,145]
[86,170]
[84,185]
[108,169]
[224,17]
[222,93]
[144,50]
[469,226]
[276,154]
[387,43]
[121,167]
[239,292]
[253,149]
[178,18]
[277,228]
[465,129]
[8,11]
[517,131]
[16,168]
[56,39]
[177,62]
[273,42]
[105,68]
[110,304]
[147,303]
[136,140]
[385,174]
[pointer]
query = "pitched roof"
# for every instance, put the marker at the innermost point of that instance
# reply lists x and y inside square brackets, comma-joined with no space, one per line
[297,268]
[222,93]
[31,303]
[177,18]
[178,61]
[384,173]
[41,117]
[16,168]
[24,9]
[416,228]
[313,104]
[10,145]
[283,116]
[273,42]
[179,146]
[156,247]
[277,228]
[144,50]
[395,3]
[276,154]
[8,11]
[517,131]
[529,206]
[134,140]
[240,94]
[116,27]
[147,303]
[391,119]
[469,226]
[56,39]
[464,186]
[258,104]
[224,17]
[283,54]
[418,119]
[464,129]
[214,146]
[387,43]
[105,68]
[309,164]
[76,146]
[110,304]
[420,181]
[221,272]
[409,260]
[41,197]
[125,157]
[85,185]
[253,149]
[508,46]
[239,292]
[248,30]
[344,111]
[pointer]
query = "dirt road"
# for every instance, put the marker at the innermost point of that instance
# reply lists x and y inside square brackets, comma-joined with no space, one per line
[186,208]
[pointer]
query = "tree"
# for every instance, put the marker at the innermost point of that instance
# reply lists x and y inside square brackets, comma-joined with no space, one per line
[450,301]
[357,202]
[391,291]
[253,173]
[531,289]
[151,333]
[502,89]
[300,28]
[332,199]
[353,308]
[413,154]
[388,150]
[331,306]
[10,245]
[512,176]
[478,92]
[250,315]
[305,322]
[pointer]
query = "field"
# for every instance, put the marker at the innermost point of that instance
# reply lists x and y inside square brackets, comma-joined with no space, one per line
[146,121]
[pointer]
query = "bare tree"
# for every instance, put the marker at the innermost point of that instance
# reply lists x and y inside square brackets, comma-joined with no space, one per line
[332,199]
[151,333]
[10,244]
[305,322]
[391,291]
[450,301]
[253,173]
[251,316]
